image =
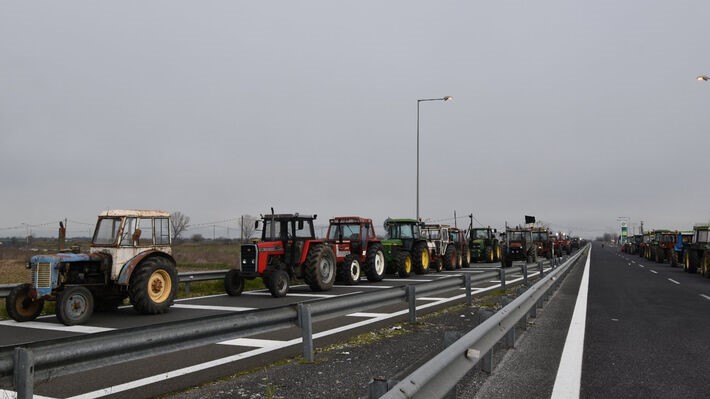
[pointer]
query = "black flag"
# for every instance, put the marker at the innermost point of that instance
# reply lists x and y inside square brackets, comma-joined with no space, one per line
[529,219]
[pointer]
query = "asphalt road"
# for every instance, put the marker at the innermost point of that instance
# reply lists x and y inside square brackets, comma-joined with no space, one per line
[647,329]
[156,376]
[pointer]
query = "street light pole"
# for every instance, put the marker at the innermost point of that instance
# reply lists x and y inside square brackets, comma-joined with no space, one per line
[445,98]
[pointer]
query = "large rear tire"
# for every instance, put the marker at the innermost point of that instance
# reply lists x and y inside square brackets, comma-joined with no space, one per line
[375,263]
[489,255]
[153,286]
[467,257]
[350,270]
[320,268]
[20,307]
[705,265]
[420,258]
[233,283]
[74,305]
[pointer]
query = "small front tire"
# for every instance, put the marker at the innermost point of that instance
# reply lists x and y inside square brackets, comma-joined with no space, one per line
[233,283]
[278,284]
[20,307]
[74,305]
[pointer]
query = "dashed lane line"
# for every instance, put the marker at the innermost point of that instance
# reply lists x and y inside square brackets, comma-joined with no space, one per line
[673,281]
[208,307]
[653,271]
[705,296]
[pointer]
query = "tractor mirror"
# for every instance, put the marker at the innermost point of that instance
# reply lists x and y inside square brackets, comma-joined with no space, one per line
[256,225]
[300,224]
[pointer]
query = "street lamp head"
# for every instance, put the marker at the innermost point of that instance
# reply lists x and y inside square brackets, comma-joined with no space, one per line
[703,78]
[447,98]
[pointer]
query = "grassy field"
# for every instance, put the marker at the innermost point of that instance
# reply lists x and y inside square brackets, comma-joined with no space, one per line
[190,257]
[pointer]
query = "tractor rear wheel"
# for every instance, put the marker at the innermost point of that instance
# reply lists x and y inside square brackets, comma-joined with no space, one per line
[404,264]
[691,262]
[375,263]
[674,258]
[20,306]
[233,283]
[705,265]
[350,270]
[439,264]
[489,255]
[450,258]
[278,284]
[153,286]
[74,305]
[420,258]
[320,268]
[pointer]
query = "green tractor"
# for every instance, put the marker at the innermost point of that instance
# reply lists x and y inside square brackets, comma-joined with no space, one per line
[483,243]
[405,248]
[697,254]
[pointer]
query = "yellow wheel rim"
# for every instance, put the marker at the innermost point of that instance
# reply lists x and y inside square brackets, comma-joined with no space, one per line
[159,286]
[425,260]
[408,265]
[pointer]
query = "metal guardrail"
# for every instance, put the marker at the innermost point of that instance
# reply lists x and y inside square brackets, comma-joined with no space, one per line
[439,376]
[21,366]
[186,278]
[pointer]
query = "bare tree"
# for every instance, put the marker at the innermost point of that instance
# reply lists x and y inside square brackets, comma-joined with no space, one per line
[179,222]
[248,226]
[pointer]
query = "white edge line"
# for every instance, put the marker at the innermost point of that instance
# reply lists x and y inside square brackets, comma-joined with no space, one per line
[673,281]
[653,271]
[569,372]
[705,296]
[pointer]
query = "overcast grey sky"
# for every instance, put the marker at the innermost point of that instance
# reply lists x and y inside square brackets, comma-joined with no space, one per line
[575,112]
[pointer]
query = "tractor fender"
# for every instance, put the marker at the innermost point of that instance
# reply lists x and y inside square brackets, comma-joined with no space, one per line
[127,269]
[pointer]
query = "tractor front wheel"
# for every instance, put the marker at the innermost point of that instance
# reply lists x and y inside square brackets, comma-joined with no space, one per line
[420,258]
[705,265]
[153,286]
[375,263]
[233,283]
[320,268]
[404,264]
[278,284]
[350,270]
[450,258]
[20,307]
[74,305]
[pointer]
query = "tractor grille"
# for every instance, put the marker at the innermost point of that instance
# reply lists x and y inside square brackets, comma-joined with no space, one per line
[249,258]
[43,276]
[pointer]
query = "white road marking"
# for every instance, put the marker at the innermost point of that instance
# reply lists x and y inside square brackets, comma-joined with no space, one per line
[364,314]
[640,265]
[653,271]
[673,281]
[633,261]
[55,327]
[425,298]
[569,373]
[13,395]
[365,286]
[292,294]
[400,280]
[705,296]
[207,307]
[253,342]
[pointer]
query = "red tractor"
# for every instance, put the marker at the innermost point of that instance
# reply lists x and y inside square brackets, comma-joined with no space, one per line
[356,248]
[288,249]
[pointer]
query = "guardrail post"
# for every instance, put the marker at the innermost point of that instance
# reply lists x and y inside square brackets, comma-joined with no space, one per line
[412,300]
[510,337]
[304,316]
[542,270]
[24,373]
[524,270]
[377,387]
[187,288]
[501,273]
[487,359]
[467,284]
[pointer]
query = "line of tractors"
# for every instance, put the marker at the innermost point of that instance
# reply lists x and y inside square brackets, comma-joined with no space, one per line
[691,249]
[131,258]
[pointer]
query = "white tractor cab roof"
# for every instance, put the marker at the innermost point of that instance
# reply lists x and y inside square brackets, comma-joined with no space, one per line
[134,213]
